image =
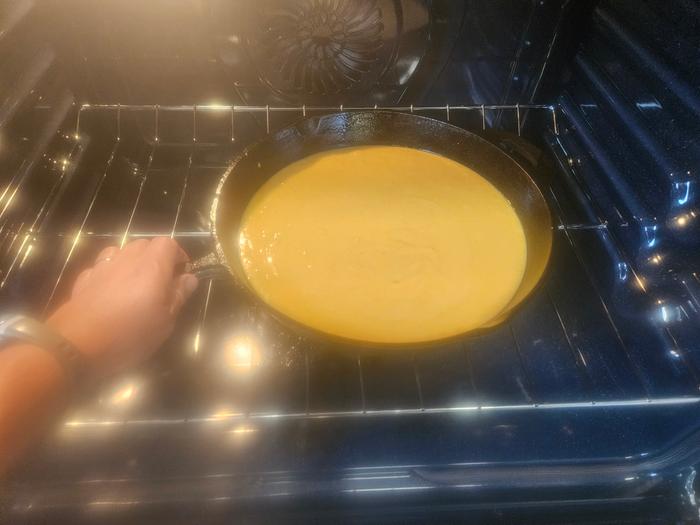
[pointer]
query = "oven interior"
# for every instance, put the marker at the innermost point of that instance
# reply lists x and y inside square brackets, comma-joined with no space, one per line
[117,119]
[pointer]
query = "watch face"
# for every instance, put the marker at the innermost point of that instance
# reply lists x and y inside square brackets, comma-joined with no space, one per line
[27,329]
[13,326]
[31,331]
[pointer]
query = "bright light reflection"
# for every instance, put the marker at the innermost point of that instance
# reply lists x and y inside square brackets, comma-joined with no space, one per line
[683,187]
[26,255]
[195,343]
[243,241]
[215,106]
[224,413]
[243,429]
[242,434]
[681,221]
[242,353]
[622,271]
[668,313]
[124,394]
[650,233]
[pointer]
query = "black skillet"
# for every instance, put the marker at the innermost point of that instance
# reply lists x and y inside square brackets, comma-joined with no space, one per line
[342,130]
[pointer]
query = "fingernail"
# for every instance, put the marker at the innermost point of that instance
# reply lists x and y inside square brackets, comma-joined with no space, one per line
[178,301]
[190,283]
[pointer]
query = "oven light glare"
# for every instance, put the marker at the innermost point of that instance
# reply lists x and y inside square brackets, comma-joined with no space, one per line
[215,106]
[26,255]
[195,343]
[224,413]
[124,395]
[243,429]
[242,353]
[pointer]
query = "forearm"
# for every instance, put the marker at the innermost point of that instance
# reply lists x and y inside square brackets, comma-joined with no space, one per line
[33,392]
[119,312]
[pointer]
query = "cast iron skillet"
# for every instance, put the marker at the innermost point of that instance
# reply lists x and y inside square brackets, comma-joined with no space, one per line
[342,130]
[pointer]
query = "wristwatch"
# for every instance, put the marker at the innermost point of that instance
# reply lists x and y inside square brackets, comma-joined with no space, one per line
[15,327]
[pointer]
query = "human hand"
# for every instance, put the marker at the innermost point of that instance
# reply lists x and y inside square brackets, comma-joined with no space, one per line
[124,307]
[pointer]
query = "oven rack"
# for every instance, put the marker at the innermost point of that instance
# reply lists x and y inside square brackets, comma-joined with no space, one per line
[21,241]
[491,115]
[485,111]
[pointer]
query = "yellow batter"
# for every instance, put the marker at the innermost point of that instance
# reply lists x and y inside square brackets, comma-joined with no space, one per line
[383,244]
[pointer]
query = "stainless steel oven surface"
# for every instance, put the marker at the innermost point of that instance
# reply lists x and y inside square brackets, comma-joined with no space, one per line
[117,120]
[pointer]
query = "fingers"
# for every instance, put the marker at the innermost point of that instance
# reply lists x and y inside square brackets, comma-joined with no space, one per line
[108,253]
[184,287]
[168,256]
[105,255]
[163,249]
[136,247]
[164,255]
[81,281]
[169,250]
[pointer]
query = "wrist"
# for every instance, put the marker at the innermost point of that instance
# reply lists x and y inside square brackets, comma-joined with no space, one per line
[30,360]
[28,335]
[84,338]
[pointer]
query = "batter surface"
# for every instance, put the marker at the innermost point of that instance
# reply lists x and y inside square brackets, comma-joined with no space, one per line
[383,244]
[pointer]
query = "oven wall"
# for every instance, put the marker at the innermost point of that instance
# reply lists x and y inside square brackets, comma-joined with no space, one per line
[628,132]
[631,101]
[629,147]
[401,51]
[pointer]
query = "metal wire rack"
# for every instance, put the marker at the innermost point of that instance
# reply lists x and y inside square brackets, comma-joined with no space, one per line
[303,111]
[543,358]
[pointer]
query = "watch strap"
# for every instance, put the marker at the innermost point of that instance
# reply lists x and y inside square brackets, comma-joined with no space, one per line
[28,330]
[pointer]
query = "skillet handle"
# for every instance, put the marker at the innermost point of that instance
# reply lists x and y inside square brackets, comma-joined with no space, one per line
[208,267]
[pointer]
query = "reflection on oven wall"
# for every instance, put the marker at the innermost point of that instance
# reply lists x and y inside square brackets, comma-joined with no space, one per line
[630,103]
[304,51]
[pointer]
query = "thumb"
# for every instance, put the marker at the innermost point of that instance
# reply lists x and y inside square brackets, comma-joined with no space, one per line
[184,287]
